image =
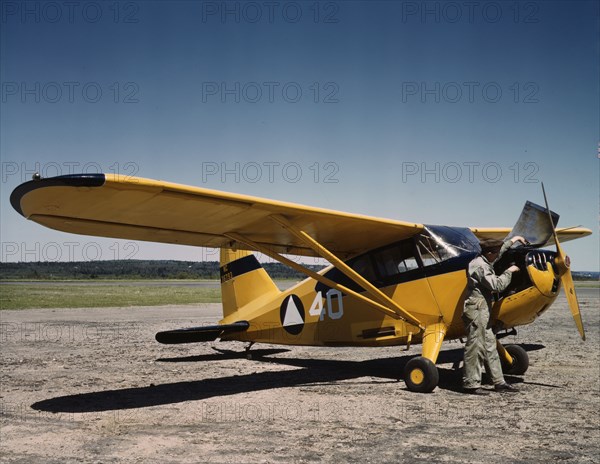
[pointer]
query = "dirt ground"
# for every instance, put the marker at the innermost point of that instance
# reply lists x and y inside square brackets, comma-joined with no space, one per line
[92,385]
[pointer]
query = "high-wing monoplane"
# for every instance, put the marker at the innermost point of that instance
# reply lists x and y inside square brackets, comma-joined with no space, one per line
[389,282]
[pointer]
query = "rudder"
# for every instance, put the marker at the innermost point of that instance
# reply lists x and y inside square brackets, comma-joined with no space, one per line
[243,279]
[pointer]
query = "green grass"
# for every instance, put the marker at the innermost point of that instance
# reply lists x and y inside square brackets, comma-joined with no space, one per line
[587,283]
[95,296]
[112,294]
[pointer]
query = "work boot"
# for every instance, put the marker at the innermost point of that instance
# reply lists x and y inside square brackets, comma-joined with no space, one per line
[505,387]
[476,391]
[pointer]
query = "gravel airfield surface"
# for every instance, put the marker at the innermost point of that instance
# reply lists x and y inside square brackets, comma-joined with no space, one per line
[92,385]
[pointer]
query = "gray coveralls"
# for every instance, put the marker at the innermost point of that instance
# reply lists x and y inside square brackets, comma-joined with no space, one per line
[481,341]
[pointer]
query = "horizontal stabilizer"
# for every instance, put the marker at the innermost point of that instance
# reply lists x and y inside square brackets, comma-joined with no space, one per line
[200,334]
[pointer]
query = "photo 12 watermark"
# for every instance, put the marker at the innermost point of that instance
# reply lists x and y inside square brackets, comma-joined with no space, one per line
[66,332]
[270,12]
[453,172]
[67,251]
[469,92]
[271,172]
[270,92]
[22,171]
[468,12]
[18,412]
[255,411]
[71,92]
[337,411]
[69,12]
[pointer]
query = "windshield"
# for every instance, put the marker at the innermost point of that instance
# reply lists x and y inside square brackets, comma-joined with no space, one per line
[441,243]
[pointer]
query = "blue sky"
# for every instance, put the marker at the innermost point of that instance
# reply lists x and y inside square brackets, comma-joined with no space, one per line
[434,112]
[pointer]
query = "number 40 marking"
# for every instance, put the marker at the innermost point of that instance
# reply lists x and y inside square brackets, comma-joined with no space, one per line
[317,309]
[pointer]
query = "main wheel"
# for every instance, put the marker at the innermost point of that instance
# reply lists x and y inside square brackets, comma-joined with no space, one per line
[421,375]
[520,360]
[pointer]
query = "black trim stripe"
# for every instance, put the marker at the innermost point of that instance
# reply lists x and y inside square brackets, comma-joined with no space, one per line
[238,267]
[69,180]
[460,263]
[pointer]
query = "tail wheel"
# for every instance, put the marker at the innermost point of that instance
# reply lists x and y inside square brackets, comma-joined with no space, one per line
[520,360]
[421,375]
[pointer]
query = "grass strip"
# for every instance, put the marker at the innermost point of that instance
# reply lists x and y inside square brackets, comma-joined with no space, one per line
[95,296]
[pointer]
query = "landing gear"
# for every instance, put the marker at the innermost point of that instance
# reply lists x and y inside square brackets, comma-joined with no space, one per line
[520,360]
[421,375]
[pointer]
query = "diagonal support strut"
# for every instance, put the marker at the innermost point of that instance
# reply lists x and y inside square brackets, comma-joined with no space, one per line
[348,271]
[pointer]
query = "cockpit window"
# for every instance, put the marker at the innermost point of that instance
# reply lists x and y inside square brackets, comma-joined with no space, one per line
[396,259]
[437,244]
[363,266]
[409,259]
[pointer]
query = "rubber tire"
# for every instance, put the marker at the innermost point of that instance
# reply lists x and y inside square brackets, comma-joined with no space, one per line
[430,375]
[520,362]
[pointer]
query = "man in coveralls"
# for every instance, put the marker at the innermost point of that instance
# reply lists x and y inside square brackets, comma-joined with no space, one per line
[481,348]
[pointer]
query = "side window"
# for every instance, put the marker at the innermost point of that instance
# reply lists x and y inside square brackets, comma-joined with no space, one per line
[363,266]
[396,259]
[408,264]
[381,267]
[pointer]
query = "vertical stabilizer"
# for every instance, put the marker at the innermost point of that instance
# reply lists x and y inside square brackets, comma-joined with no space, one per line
[243,280]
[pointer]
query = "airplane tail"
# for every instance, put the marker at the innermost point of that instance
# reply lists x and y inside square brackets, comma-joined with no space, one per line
[243,280]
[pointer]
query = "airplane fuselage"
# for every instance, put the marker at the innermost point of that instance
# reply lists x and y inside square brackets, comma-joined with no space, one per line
[425,275]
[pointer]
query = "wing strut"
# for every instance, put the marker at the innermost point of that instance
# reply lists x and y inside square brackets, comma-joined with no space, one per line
[322,251]
[318,277]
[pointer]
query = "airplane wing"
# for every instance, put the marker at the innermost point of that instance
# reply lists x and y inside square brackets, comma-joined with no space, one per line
[110,205]
[500,233]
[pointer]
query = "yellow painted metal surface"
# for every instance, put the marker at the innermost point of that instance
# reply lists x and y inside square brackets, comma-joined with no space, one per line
[521,308]
[335,320]
[254,286]
[145,209]
[432,340]
[417,376]
[449,291]
[504,355]
[330,319]
[543,280]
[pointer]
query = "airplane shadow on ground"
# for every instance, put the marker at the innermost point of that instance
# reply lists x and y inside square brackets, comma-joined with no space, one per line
[311,372]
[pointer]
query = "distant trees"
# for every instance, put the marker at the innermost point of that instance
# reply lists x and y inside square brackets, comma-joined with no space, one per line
[130,269]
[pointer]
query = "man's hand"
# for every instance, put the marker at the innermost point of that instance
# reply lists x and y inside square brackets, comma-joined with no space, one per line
[513,268]
[518,238]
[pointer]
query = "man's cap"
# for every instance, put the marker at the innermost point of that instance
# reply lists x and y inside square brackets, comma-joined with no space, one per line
[490,244]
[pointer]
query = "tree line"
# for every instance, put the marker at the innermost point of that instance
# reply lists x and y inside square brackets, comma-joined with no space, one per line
[130,269]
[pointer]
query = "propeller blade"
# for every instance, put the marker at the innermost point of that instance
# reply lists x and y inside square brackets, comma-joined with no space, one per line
[563,264]
[569,288]
[554,234]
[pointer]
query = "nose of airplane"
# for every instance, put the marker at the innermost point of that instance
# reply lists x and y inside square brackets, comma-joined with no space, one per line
[543,272]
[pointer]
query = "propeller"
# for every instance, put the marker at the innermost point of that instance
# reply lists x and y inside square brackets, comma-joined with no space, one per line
[563,264]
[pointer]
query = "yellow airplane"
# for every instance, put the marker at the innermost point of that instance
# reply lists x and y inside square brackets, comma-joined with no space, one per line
[389,283]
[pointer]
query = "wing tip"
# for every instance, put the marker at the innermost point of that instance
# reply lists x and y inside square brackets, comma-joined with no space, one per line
[69,180]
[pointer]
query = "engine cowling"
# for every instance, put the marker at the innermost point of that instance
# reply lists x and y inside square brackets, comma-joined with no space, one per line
[542,271]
